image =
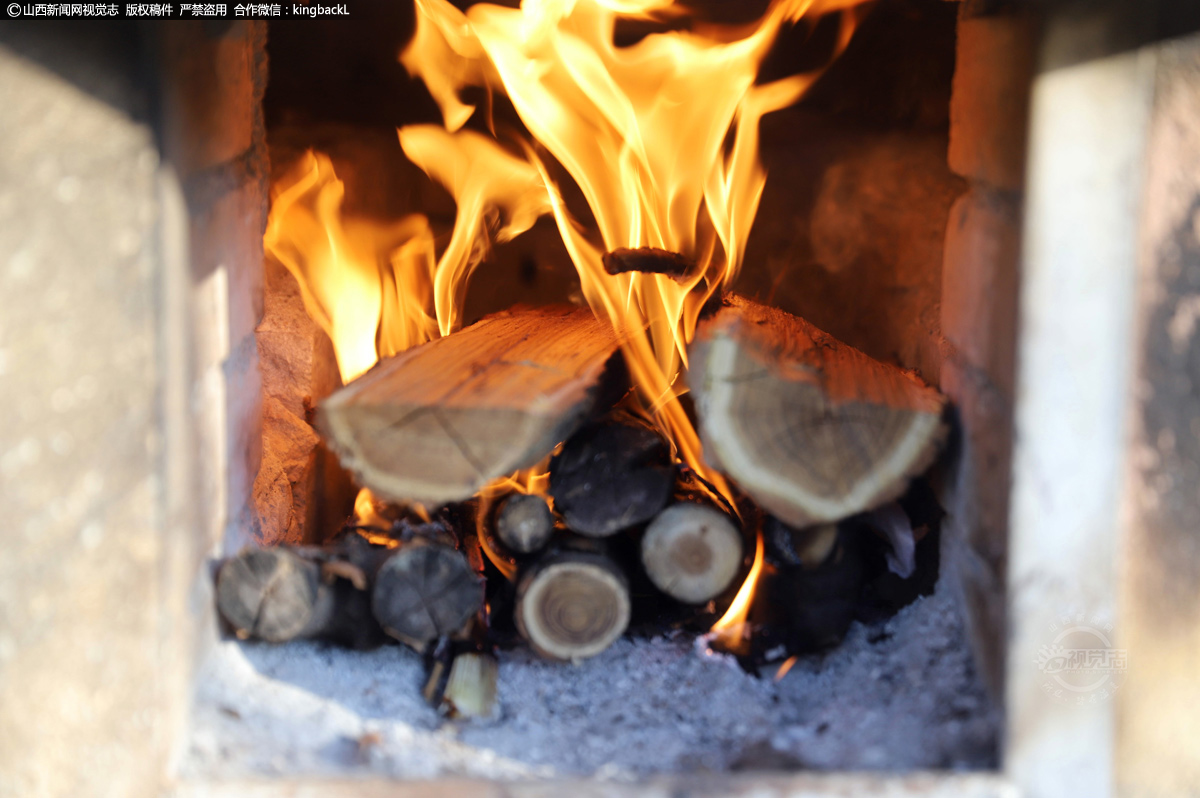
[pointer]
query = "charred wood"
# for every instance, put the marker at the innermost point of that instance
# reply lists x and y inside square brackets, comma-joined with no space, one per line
[524,523]
[612,475]
[649,260]
[286,593]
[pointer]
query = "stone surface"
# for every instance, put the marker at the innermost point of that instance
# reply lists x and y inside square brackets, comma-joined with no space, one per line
[989,107]
[1156,745]
[120,243]
[295,355]
[300,492]
[1075,346]
[83,450]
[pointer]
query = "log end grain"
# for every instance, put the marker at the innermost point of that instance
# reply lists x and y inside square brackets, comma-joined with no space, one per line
[573,607]
[268,594]
[424,592]
[691,552]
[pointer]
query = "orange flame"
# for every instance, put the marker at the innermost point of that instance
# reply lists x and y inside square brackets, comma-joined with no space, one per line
[660,137]
[368,284]
[731,630]
[644,132]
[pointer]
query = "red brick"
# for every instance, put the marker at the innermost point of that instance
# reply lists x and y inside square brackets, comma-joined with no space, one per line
[979,283]
[989,107]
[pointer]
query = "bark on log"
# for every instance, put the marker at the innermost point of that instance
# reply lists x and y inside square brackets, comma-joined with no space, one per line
[425,591]
[524,523]
[287,593]
[572,605]
[810,428]
[612,475]
[691,552]
[438,422]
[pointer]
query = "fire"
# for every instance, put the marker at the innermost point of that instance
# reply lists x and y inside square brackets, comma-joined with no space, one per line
[645,132]
[368,284]
[660,138]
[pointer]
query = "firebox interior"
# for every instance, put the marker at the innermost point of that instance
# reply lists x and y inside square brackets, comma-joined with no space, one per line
[850,235]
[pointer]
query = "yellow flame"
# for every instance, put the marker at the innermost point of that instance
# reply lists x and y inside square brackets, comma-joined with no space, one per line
[731,631]
[358,277]
[660,137]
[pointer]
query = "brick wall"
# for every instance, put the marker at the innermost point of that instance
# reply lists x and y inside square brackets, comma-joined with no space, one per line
[988,120]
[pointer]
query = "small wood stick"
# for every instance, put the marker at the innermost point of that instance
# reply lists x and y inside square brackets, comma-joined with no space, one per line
[524,523]
[425,591]
[691,552]
[572,606]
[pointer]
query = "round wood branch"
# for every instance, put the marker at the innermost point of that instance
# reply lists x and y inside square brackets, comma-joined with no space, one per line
[425,591]
[612,475]
[691,552]
[269,594]
[524,523]
[573,606]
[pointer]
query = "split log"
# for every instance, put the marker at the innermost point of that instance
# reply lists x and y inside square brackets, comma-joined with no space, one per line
[810,428]
[648,260]
[572,605]
[437,422]
[288,593]
[524,523]
[612,475]
[426,591]
[691,552]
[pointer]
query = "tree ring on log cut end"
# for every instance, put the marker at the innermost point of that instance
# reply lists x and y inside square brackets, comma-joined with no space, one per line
[691,552]
[574,609]
[269,594]
[424,592]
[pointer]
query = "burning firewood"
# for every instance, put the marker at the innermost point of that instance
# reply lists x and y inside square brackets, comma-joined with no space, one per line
[437,422]
[691,552]
[810,428]
[612,475]
[572,605]
[524,523]
[286,593]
